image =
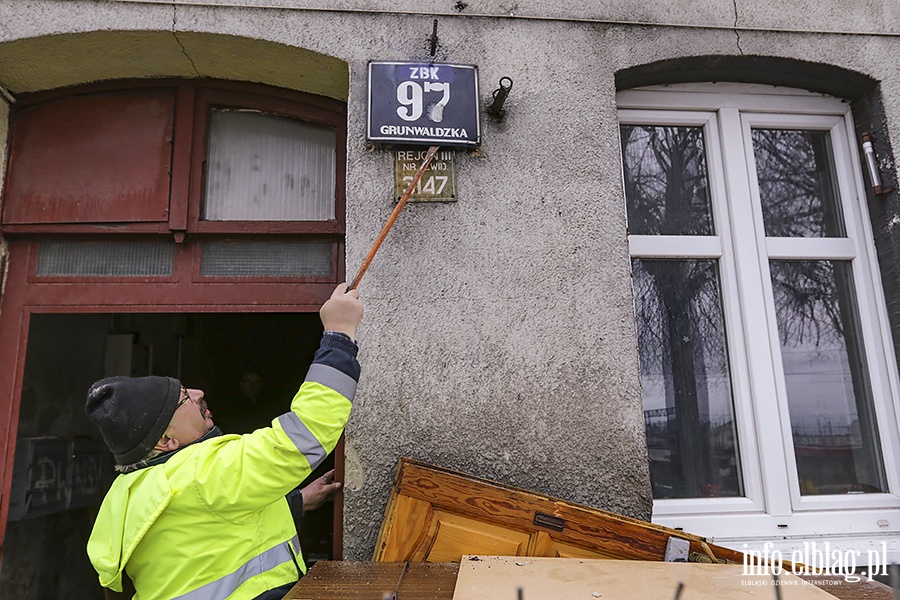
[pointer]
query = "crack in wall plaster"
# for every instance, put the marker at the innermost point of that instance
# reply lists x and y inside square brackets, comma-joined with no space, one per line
[737,33]
[175,35]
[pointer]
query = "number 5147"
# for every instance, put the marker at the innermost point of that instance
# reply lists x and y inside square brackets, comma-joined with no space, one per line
[433,184]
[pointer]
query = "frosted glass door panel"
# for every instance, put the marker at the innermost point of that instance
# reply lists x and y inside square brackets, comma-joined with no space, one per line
[267,168]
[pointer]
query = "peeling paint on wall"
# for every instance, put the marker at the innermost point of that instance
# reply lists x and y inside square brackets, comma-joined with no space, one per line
[354,470]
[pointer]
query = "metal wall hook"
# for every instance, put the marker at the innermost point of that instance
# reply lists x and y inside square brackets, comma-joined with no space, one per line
[434,38]
[499,97]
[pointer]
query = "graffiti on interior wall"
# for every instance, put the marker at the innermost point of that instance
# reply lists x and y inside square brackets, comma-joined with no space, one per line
[54,474]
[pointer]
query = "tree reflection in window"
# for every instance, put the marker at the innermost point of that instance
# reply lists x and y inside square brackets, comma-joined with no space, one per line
[836,443]
[666,181]
[686,383]
[688,407]
[797,183]
[684,360]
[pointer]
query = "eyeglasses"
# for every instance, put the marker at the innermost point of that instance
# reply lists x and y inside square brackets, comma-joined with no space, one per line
[183,399]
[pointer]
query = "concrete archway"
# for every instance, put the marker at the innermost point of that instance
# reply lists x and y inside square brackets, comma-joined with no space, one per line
[35,64]
[771,70]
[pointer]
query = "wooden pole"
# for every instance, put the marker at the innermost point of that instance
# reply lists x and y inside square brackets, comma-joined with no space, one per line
[390,222]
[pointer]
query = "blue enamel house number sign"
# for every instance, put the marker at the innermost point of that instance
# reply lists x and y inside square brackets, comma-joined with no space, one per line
[432,104]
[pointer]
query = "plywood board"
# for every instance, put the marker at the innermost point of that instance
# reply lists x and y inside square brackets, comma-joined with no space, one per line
[334,580]
[499,577]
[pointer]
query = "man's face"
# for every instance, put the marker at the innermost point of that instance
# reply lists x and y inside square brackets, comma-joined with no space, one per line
[251,384]
[192,419]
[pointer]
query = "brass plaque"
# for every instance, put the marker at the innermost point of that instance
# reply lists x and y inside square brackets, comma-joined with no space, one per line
[438,182]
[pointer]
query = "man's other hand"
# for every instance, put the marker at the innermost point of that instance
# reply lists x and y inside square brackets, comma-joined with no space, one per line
[320,490]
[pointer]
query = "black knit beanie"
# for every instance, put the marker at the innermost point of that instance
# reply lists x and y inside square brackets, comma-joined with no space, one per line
[132,413]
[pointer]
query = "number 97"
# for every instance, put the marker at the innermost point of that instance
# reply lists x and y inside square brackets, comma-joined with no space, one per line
[409,95]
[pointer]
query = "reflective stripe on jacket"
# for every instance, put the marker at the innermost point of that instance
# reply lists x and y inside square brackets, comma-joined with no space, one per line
[212,522]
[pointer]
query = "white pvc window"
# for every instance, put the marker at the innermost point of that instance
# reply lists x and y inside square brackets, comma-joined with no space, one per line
[768,374]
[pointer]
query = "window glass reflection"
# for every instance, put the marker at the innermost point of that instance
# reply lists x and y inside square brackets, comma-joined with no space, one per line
[685,376]
[666,183]
[829,397]
[797,183]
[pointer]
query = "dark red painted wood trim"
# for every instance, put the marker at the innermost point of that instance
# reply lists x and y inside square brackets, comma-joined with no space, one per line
[337,539]
[25,294]
[193,102]
[98,228]
[179,193]
[109,155]
[267,227]
[13,336]
[330,104]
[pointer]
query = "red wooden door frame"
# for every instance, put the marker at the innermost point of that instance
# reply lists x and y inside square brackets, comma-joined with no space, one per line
[25,295]
[184,290]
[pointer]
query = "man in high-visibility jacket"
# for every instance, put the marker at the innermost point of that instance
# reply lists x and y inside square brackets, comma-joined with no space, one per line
[199,515]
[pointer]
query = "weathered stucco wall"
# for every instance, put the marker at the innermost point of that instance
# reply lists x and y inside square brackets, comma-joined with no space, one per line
[499,336]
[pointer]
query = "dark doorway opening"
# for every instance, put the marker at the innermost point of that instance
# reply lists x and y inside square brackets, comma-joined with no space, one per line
[249,366]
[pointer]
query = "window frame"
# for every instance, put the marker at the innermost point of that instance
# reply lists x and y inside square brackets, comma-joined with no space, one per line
[194,99]
[319,112]
[715,246]
[36,119]
[772,506]
[852,250]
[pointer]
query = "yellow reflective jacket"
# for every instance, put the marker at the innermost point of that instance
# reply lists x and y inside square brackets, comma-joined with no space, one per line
[211,522]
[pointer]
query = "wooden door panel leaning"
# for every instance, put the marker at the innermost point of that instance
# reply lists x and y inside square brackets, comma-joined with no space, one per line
[439,515]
